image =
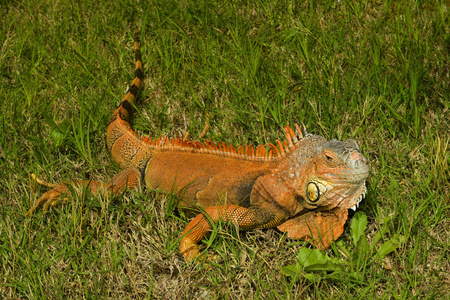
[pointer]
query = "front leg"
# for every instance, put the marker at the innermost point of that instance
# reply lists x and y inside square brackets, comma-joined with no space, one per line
[200,226]
[320,228]
[127,179]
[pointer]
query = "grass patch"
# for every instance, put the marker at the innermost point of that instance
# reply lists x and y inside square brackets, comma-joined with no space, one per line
[374,71]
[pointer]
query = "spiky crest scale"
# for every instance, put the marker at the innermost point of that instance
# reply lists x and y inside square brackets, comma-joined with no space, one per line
[260,152]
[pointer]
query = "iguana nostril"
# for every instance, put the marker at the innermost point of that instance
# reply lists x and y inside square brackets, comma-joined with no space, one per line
[365,160]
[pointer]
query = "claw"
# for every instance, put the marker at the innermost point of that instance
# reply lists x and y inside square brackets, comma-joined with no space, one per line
[51,197]
[42,182]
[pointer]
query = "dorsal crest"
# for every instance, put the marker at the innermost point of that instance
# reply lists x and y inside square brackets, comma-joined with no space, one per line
[266,152]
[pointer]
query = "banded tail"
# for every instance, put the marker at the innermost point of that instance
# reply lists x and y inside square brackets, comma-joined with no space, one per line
[125,109]
[125,147]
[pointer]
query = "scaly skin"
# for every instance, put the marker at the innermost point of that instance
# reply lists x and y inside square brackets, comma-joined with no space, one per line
[304,186]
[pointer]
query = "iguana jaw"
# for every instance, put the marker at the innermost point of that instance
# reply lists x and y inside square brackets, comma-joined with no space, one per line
[334,195]
[346,193]
[360,198]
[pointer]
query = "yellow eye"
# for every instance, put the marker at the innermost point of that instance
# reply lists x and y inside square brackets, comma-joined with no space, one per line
[313,192]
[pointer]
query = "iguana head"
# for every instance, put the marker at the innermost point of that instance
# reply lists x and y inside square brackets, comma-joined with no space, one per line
[336,177]
[328,178]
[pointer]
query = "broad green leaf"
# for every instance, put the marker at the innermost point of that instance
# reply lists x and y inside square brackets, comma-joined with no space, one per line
[292,270]
[362,249]
[311,260]
[391,245]
[357,229]
[312,277]
[59,132]
[358,226]
[316,260]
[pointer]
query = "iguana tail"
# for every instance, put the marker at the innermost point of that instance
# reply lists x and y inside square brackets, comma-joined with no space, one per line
[125,109]
[125,146]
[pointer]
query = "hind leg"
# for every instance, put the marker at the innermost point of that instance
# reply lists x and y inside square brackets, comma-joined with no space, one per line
[127,179]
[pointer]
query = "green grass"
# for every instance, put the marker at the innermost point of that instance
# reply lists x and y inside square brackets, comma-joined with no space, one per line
[375,71]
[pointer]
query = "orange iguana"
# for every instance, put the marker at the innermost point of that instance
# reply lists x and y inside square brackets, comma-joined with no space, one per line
[304,186]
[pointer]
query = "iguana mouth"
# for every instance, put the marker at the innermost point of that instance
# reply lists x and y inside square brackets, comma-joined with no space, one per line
[362,195]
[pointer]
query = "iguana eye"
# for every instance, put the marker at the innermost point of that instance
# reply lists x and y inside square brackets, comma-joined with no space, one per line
[329,158]
[312,192]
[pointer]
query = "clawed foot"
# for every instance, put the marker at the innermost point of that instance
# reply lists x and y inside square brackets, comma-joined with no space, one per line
[51,197]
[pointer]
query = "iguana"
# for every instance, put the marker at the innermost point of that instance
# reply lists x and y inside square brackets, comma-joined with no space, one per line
[304,185]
